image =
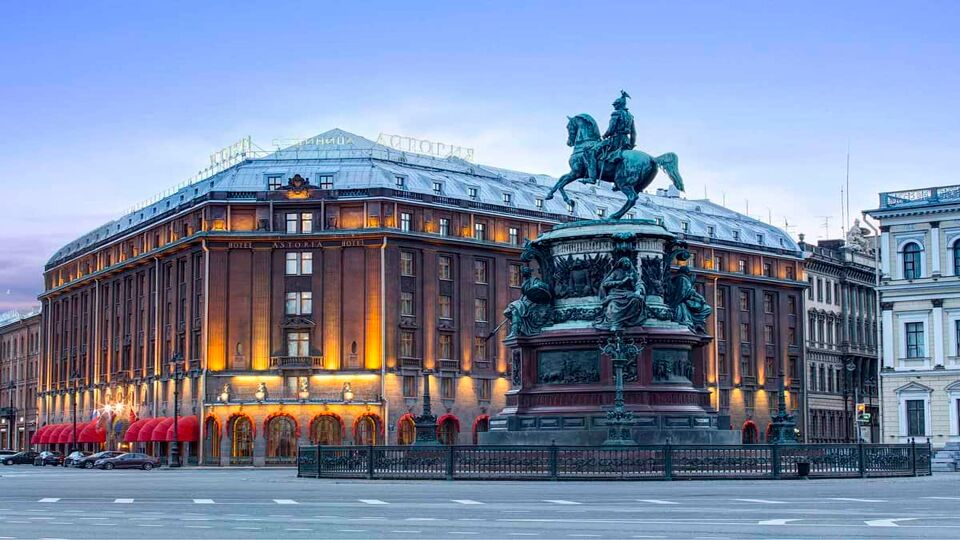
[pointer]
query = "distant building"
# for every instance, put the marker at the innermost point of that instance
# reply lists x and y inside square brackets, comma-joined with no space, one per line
[307,290]
[920,306]
[19,361]
[842,362]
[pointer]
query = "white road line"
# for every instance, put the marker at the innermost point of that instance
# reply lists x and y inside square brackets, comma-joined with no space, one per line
[49,499]
[466,501]
[761,501]
[423,519]
[407,531]
[523,534]
[461,532]
[285,501]
[855,500]
[351,530]
[203,501]
[298,530]
[657,501]
[886,522]
[372,501]
[123,501]
[198,527]
[776,521]
[559,501]
[944,498]
[149,525]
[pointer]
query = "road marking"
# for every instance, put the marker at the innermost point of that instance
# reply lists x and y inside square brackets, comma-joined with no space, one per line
[49,499]
[657,501]
[855,500]
[761,501]
[776,521]
[149,525]
[461,532]
[351,530]
[285,501]
[584,535]
[559,501]
[372,501]
[523,534]
[203,501]
[944,498]
[466,501]
[886,522]
[246,528]
[298,530]
[423,519]
[408,531]
[123,501]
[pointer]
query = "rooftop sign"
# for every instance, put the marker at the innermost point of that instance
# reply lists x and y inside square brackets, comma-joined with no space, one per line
[422,146]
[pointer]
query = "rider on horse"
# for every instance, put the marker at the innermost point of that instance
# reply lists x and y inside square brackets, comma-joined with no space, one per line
[621,134]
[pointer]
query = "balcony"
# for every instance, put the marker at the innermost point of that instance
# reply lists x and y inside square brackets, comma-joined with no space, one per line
[284,395]
[296,362]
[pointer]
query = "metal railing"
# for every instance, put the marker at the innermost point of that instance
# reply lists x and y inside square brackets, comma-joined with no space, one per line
[920,196]
[296,362]
[641,462]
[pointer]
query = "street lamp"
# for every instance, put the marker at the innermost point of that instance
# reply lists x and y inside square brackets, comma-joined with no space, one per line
[177,374]
[620,422]
[426,424]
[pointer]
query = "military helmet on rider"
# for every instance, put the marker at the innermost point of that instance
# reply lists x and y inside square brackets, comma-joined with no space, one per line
[621,102]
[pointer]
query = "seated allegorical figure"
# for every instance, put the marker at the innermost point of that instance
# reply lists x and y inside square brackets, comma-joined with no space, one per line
[623,296]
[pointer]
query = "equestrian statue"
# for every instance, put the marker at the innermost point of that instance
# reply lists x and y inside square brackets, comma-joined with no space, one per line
[612,158]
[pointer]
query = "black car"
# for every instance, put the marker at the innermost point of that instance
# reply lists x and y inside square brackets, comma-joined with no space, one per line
[48,458]
[20,458]
[89,461]
[132,460]
[72,459]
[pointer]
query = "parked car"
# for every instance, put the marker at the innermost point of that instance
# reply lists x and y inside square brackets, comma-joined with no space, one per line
[48,458]
[5,453]
[72,459]
[20,458]
[128,461]
[89,461]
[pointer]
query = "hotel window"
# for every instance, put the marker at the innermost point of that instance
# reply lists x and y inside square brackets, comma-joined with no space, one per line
[745,332]
[406,304]
[444,267]
[768,269]
[744,301]
[829,291]
[911,261]
[914,331]
[445,348]
[810,288]
[472,192]
[483,389]
[274,182]
[479,231]
[410,387]
[298,344]
[447,389]
[507,198]
[718,263]
[401,182]
[539,204]
[406,263]
[760,239]
[711,231]
[790,273]
[721,332]
[444,227]
[736,236]
[742,266]
[299,264]
[956,333]
[819,290]
[836,293]
[768,302]
[445,306]
[325,181]
[513,236]
[516,276]
[405,219]
[479,349]
[768,334]
[721,298]
[299,303]
[437,188]
[480,271]
[916,421]
[293,221]
[480,309]
[685,226]
[406,344]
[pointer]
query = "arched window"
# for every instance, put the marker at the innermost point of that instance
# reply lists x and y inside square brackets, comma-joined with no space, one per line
[281,439]
[365,430]
[956,258]
[448,429]
[406,430]
[911,261]
[211,441]
[326,430]
[480,425]
[241,438]
[748,433]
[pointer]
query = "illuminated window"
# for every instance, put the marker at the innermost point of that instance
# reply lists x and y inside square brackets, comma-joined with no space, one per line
[405,220]
[406,263]
[444,306]
[366,431]
[479,231]
[445,348]
[406,344]
[406,430]
[444,227]
[444,267]
[299,264]
[274,182]
[298,344]
[325,181]
[513,236]
[281,440]
[241,438]
[406,304]
[516,275]
[299,303]
[480,309]
[479,348]
[327,430]
[480,271]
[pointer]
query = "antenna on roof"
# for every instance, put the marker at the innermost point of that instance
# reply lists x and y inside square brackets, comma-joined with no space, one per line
[724,195]
[846,222]
[769,216]
[705,197]
[826,226]
[748,208]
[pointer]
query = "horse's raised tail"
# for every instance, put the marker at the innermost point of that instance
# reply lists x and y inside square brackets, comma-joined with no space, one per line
[668,162]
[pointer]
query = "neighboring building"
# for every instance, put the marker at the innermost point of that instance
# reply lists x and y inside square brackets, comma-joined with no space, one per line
[920,306]
[19,359]
[307,290]
[841,340]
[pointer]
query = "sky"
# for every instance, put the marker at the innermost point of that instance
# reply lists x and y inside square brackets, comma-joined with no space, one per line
[104,104]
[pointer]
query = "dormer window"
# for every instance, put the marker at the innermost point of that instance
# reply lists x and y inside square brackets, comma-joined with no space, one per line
[760,239]
[472,192]
[601,212]
[507,198]
[325,181]
[437,188]
[711,231]
[274,181]
[736,235]
[539,203]
[401,182]
[685,226]
[570,207]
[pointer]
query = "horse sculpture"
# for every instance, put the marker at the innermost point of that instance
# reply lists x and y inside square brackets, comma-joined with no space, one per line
[630,171]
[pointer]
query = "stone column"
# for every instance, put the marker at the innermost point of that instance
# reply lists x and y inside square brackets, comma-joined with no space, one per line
[938,358]
[888,330]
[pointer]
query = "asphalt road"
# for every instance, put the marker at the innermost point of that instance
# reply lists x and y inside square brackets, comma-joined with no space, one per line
[273,503]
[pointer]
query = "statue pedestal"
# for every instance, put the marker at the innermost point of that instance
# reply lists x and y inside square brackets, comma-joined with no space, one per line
[563,386]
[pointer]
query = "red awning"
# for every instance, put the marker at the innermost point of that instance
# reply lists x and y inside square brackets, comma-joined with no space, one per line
[160,432]
[91,433]
[38,437]
[188,429]
[66,434]
[53,435]
[444,418]
[146,430]
[133,432]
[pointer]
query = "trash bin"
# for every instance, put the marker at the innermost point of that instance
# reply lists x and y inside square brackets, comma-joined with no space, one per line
[803,469]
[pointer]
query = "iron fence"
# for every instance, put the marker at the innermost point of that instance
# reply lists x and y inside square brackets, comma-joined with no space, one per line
[641,462]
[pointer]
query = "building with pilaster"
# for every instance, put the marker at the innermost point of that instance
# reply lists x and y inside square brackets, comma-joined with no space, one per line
[19,357]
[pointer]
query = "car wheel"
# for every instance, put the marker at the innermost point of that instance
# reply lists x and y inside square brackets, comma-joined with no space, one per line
[147,466]
[88,465]
[8,462]
[108,466]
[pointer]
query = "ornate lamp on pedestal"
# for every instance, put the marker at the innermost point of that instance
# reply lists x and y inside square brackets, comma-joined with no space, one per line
[620,421]
[782,425]
[426,423]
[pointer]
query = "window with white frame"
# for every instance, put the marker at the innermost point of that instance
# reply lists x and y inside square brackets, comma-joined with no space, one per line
[301,222]
[406,304]
[479,231]
[539,203]
[444,227]
[299,303]
[914,338]
[438,188]
[299,263]
[274,181]
[406,263]
[915,411]
[405,220]
[298,344]
[325,181]
[473,192]
[401,182]
[444,267]
[513,236]
[507,198]
[911,260]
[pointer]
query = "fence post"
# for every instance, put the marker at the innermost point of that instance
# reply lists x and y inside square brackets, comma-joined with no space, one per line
[929,459]
[452,448]
[861,460]
[776,460]
[913,455]
[370,462]
[667,461]
[553,460]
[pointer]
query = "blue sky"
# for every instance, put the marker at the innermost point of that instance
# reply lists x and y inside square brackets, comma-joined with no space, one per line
[106,103]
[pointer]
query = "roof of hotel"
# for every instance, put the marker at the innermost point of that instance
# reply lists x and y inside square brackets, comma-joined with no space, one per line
[14,316]
[359,163]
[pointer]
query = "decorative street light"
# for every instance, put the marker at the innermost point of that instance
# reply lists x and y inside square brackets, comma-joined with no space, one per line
[620,421]
[177,374]
[426,424]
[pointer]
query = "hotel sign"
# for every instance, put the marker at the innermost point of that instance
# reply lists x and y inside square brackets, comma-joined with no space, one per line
[422,146]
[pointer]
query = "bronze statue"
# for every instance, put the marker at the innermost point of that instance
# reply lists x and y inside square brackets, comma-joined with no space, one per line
[527,314]
[612,159]
[623,296]
[690,308]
